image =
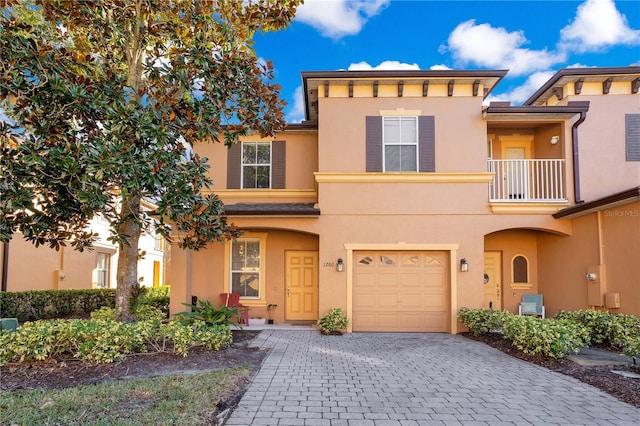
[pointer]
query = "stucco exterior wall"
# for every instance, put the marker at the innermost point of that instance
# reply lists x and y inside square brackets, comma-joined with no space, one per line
[563,262]
[603,167]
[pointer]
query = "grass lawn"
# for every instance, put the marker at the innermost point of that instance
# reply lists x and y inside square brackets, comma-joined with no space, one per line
[170,400]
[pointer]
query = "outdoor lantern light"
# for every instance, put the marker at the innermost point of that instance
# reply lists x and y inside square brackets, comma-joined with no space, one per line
[554,140]
[340,265]
[464,266]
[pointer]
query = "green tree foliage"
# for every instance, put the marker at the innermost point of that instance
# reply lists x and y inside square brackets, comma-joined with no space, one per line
[106,98]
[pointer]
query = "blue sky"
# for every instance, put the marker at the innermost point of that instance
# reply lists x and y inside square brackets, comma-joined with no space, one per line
[533,39]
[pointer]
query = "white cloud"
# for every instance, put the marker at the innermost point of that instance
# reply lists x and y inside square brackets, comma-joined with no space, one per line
[296,112]
[439,67]
[522,93]
[385,65]
[486,46]
[339,18]
[598,25]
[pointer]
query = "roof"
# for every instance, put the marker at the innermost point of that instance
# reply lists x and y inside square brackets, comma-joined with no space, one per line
[312,79]
[571,75]
[272,209]
[501,111]
[617,199]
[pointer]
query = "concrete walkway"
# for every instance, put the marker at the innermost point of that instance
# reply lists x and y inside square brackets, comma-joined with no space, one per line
[412,379]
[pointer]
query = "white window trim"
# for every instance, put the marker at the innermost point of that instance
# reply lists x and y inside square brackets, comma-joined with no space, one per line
[262,298]
[385,144]
[242,163]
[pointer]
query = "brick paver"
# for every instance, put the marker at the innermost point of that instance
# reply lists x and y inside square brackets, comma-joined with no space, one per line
[412,379]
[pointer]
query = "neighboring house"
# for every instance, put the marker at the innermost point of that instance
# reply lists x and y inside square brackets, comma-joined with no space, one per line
[402,198]
[25,267]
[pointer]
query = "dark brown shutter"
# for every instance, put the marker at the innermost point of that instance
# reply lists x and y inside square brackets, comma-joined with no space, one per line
[278,164]
[234,163]
[426,143]
[633,137]
[374,143]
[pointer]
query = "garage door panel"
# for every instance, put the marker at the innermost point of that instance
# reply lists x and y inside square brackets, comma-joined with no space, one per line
[401,291]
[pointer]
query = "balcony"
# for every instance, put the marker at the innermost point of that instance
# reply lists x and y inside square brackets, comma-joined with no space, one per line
[523,181]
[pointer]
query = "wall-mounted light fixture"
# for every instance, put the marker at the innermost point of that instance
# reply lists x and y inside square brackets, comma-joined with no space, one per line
[591,277]
[554,140]
[340,265]
[464,266]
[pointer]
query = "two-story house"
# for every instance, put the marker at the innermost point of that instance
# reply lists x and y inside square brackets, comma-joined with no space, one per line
[27,267]
[401,198]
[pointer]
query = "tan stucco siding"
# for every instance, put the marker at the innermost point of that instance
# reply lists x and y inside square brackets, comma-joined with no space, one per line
[460,132]
[603,167]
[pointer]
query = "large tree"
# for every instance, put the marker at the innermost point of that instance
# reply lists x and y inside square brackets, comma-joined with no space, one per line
[105,99]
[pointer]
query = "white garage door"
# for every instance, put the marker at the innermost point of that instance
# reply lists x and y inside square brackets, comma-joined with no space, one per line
[401,291]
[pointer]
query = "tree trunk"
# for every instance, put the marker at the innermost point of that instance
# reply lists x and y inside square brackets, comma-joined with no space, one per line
[127,272]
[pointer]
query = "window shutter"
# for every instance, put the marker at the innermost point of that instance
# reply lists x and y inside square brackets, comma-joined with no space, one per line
[426,143]
[633,137]
[374,143]
[234,163]
[278,164]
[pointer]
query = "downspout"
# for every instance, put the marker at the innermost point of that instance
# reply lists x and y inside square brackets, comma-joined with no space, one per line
[576,157]
[5,265]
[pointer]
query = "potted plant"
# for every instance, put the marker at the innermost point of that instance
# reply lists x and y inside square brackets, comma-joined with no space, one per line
[333,322]
[270,308]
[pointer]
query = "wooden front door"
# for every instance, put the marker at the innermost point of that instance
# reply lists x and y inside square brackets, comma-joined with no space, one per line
[301,285]
[492,280]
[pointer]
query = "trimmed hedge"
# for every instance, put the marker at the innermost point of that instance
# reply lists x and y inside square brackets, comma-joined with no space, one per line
[49,304]
[105,341]
[559,336]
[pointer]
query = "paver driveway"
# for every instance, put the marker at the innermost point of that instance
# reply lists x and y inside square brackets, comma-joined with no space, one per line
[412,379]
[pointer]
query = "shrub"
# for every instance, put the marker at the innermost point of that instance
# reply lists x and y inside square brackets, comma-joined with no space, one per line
[333,321]
[550,337]
[105,341]
[480,321]
[205,311]
[37,305]
[143,313]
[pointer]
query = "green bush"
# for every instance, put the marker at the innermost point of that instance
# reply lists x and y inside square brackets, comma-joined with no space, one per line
[333,321]
[480,321]
[205,311]
[46,304]
[105,341]
[49,304]
[550,337]
[143,313]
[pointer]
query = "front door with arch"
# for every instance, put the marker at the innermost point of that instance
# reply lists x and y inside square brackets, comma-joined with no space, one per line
[301,298]
[492,280]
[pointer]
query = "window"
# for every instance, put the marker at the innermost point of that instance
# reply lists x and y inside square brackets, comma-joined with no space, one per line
[101,273]
[400,144]
[256,165]
[520,270]
[632,122]
[400,140]
[245,267]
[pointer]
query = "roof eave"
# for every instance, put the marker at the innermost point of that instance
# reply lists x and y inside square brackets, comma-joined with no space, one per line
[621,198]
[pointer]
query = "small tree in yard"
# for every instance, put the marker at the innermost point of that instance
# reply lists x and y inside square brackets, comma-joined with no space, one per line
[104,100]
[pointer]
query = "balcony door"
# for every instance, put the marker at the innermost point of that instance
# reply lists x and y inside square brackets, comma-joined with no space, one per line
[517,148]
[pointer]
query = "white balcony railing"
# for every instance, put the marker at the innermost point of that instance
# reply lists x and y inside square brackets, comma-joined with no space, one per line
[527,180]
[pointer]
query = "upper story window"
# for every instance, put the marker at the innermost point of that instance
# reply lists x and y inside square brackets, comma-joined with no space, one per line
[256,165]
[400,143]
[400,140]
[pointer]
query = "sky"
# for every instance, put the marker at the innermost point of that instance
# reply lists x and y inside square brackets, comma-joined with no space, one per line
[531,39]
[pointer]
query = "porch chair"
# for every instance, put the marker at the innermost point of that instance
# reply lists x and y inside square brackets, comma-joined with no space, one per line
[10,324]
[531,305]
[232,300]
